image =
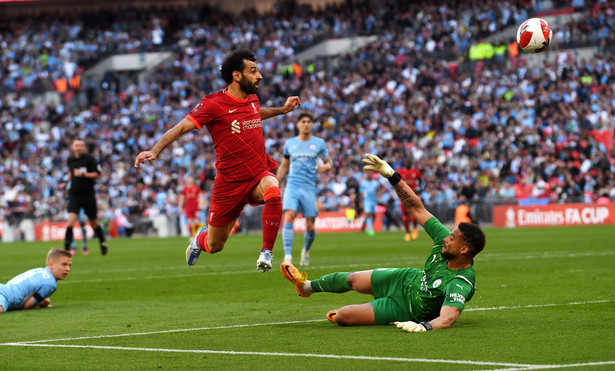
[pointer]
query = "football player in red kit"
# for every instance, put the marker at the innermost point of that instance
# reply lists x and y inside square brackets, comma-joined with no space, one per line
[412,177]
[190,202]
[245,175]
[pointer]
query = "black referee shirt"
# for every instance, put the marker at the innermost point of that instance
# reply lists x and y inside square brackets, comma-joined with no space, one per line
[85,163]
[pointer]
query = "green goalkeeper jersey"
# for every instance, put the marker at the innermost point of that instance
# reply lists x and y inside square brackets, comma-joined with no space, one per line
[438,285]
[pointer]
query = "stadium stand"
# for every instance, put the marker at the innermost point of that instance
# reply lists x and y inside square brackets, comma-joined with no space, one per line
[497,130]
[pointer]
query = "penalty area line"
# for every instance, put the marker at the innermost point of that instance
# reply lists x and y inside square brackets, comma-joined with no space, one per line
[279,354]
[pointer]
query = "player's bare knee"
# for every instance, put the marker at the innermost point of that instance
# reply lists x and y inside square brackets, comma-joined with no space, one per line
[353,280]
[344,317]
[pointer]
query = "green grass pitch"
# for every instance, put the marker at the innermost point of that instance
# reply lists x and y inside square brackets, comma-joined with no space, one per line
[545,298]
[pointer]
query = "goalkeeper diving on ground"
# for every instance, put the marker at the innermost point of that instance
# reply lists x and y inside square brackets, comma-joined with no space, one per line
[413,299]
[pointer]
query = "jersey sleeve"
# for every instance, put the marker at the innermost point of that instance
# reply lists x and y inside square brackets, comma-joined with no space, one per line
[436,231]
[324,153]
[201,114]
[93,165]
[43,292]
[458,291]
[286,149]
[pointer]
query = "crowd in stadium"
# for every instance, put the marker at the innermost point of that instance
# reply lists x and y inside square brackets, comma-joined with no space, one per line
[489,130]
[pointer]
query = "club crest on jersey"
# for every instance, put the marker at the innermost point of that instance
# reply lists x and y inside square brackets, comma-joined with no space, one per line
[254,108]
[312,147]
[437,283]
[235,128]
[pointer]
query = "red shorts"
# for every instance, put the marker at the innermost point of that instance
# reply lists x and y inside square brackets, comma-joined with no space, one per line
[229,198]
[191,214]
[405,212]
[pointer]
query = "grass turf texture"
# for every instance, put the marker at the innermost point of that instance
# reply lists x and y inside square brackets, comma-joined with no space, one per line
[144,286]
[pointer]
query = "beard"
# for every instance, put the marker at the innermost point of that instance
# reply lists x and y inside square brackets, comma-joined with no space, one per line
[247,86]
[447,256]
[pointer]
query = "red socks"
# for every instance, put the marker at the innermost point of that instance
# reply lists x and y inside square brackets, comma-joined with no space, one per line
[201,241]
[406,220]
[272,215]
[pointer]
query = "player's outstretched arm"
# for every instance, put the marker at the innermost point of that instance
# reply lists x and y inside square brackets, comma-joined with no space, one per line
[183,127]
[406,195]
[289,105]
[448,316]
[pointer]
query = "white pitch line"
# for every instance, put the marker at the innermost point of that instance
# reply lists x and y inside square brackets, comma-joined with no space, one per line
[546,255]
[540,305]
[542,367]
[171,331]
[281,323]
[278,354]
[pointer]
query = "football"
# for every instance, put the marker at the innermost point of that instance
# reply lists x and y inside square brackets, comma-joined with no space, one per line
[534,35]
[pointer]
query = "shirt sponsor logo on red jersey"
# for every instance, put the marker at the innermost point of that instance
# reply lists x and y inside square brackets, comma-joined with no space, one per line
[252,124]
[235,128]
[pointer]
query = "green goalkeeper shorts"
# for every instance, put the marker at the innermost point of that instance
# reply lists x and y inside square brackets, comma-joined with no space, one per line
[391,300]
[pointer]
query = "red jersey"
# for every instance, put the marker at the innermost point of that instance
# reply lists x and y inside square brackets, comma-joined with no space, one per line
[236,129]
[411,177]
[191,197]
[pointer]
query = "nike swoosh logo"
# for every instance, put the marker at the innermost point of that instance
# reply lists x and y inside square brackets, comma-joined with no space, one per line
[232,110]
[288,274]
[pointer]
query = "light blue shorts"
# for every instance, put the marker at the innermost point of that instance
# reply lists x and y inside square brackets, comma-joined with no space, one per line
[369,207]
[300,200]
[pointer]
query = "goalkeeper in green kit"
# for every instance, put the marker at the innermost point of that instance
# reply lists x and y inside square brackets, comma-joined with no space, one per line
[413,299]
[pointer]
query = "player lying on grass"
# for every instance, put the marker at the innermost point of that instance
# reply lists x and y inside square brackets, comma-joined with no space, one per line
[33,288]
[414,299]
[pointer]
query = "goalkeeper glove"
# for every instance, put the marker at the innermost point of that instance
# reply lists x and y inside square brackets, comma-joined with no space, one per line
[410,326]
[374,163]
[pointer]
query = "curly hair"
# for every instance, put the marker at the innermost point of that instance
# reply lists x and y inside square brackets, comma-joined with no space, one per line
[474,236]
[234,62]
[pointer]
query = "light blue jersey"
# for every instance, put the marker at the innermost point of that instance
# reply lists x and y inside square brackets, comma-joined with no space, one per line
[38,283]
[303,157]
[369,191]
[300,192]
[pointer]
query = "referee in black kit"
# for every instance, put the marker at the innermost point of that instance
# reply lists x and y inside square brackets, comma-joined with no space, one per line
[83,170]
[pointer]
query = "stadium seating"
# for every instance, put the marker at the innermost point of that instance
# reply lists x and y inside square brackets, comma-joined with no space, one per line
[496,130]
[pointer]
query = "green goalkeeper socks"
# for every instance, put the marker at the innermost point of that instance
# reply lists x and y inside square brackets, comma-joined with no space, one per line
[333,282]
